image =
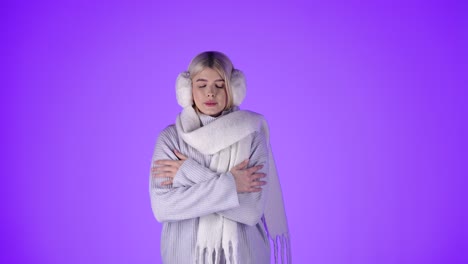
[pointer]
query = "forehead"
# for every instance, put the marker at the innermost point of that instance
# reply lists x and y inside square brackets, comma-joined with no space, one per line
[209,75]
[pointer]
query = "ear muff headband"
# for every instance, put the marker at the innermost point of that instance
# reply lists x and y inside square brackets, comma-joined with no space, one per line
[184,88]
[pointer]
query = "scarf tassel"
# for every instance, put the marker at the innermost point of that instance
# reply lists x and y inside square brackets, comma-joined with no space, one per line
[282,245]
[205,255]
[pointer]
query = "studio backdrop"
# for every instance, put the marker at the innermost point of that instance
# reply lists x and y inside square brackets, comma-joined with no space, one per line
[366,103]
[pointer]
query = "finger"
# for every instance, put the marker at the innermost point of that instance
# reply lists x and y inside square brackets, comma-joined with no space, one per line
[180,155]
[165,175]
[242,165]
[160,168]
[166,162]
[255,189]
[257,176]
[253,169]
[162,173]
[157,162]
[165,183]
[258,184]
[164,169]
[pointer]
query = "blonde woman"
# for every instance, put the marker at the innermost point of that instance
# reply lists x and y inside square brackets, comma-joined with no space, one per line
[213,182]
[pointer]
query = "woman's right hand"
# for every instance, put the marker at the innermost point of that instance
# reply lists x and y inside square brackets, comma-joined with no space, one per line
[247,180]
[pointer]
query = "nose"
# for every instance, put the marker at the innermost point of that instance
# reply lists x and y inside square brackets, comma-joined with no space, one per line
[211,91]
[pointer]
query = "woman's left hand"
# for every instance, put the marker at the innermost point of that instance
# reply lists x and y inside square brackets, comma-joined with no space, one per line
[168,168]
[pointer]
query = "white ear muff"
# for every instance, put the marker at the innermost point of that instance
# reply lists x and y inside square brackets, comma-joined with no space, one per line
[184,89]
[238,87]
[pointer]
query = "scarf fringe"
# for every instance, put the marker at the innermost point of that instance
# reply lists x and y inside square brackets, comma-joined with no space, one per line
[232,246]
[282,246]
[205,254]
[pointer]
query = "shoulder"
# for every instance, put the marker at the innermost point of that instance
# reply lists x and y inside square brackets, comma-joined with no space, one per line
[168,134]
[169,129]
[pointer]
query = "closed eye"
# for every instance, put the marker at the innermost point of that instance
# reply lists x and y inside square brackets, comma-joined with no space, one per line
[219,87]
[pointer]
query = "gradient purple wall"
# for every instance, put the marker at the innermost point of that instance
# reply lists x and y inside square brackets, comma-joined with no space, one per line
[366,103]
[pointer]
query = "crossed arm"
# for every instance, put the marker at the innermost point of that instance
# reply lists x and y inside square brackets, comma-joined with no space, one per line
[247,179]
[181,188]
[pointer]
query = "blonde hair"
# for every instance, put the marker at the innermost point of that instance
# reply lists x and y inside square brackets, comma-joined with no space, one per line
[220,63]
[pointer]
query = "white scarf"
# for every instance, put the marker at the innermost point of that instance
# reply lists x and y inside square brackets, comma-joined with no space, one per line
[228,138]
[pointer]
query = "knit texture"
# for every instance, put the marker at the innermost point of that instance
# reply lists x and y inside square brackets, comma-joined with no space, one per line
[248,211]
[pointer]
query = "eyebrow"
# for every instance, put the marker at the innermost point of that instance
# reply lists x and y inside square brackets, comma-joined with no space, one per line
[204,80]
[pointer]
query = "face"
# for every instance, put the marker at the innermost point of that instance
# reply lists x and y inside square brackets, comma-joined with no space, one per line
[209,92]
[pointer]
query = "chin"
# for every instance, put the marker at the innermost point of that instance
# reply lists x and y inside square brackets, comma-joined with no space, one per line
[212,112]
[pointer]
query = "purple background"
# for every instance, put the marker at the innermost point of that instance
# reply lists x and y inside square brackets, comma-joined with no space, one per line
[365,101]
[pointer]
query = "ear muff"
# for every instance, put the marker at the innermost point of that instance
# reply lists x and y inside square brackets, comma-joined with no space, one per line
[184,88]
[238,87]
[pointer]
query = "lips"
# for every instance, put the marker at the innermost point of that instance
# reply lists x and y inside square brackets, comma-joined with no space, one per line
[211,103]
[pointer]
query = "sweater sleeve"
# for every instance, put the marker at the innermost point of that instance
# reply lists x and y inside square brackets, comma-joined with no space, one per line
[179,202]
[252,205]
[191,172]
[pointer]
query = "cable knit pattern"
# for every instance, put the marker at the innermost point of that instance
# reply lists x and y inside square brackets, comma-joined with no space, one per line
[198,191]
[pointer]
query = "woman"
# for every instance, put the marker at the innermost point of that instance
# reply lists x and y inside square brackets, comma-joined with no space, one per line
[213,181]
